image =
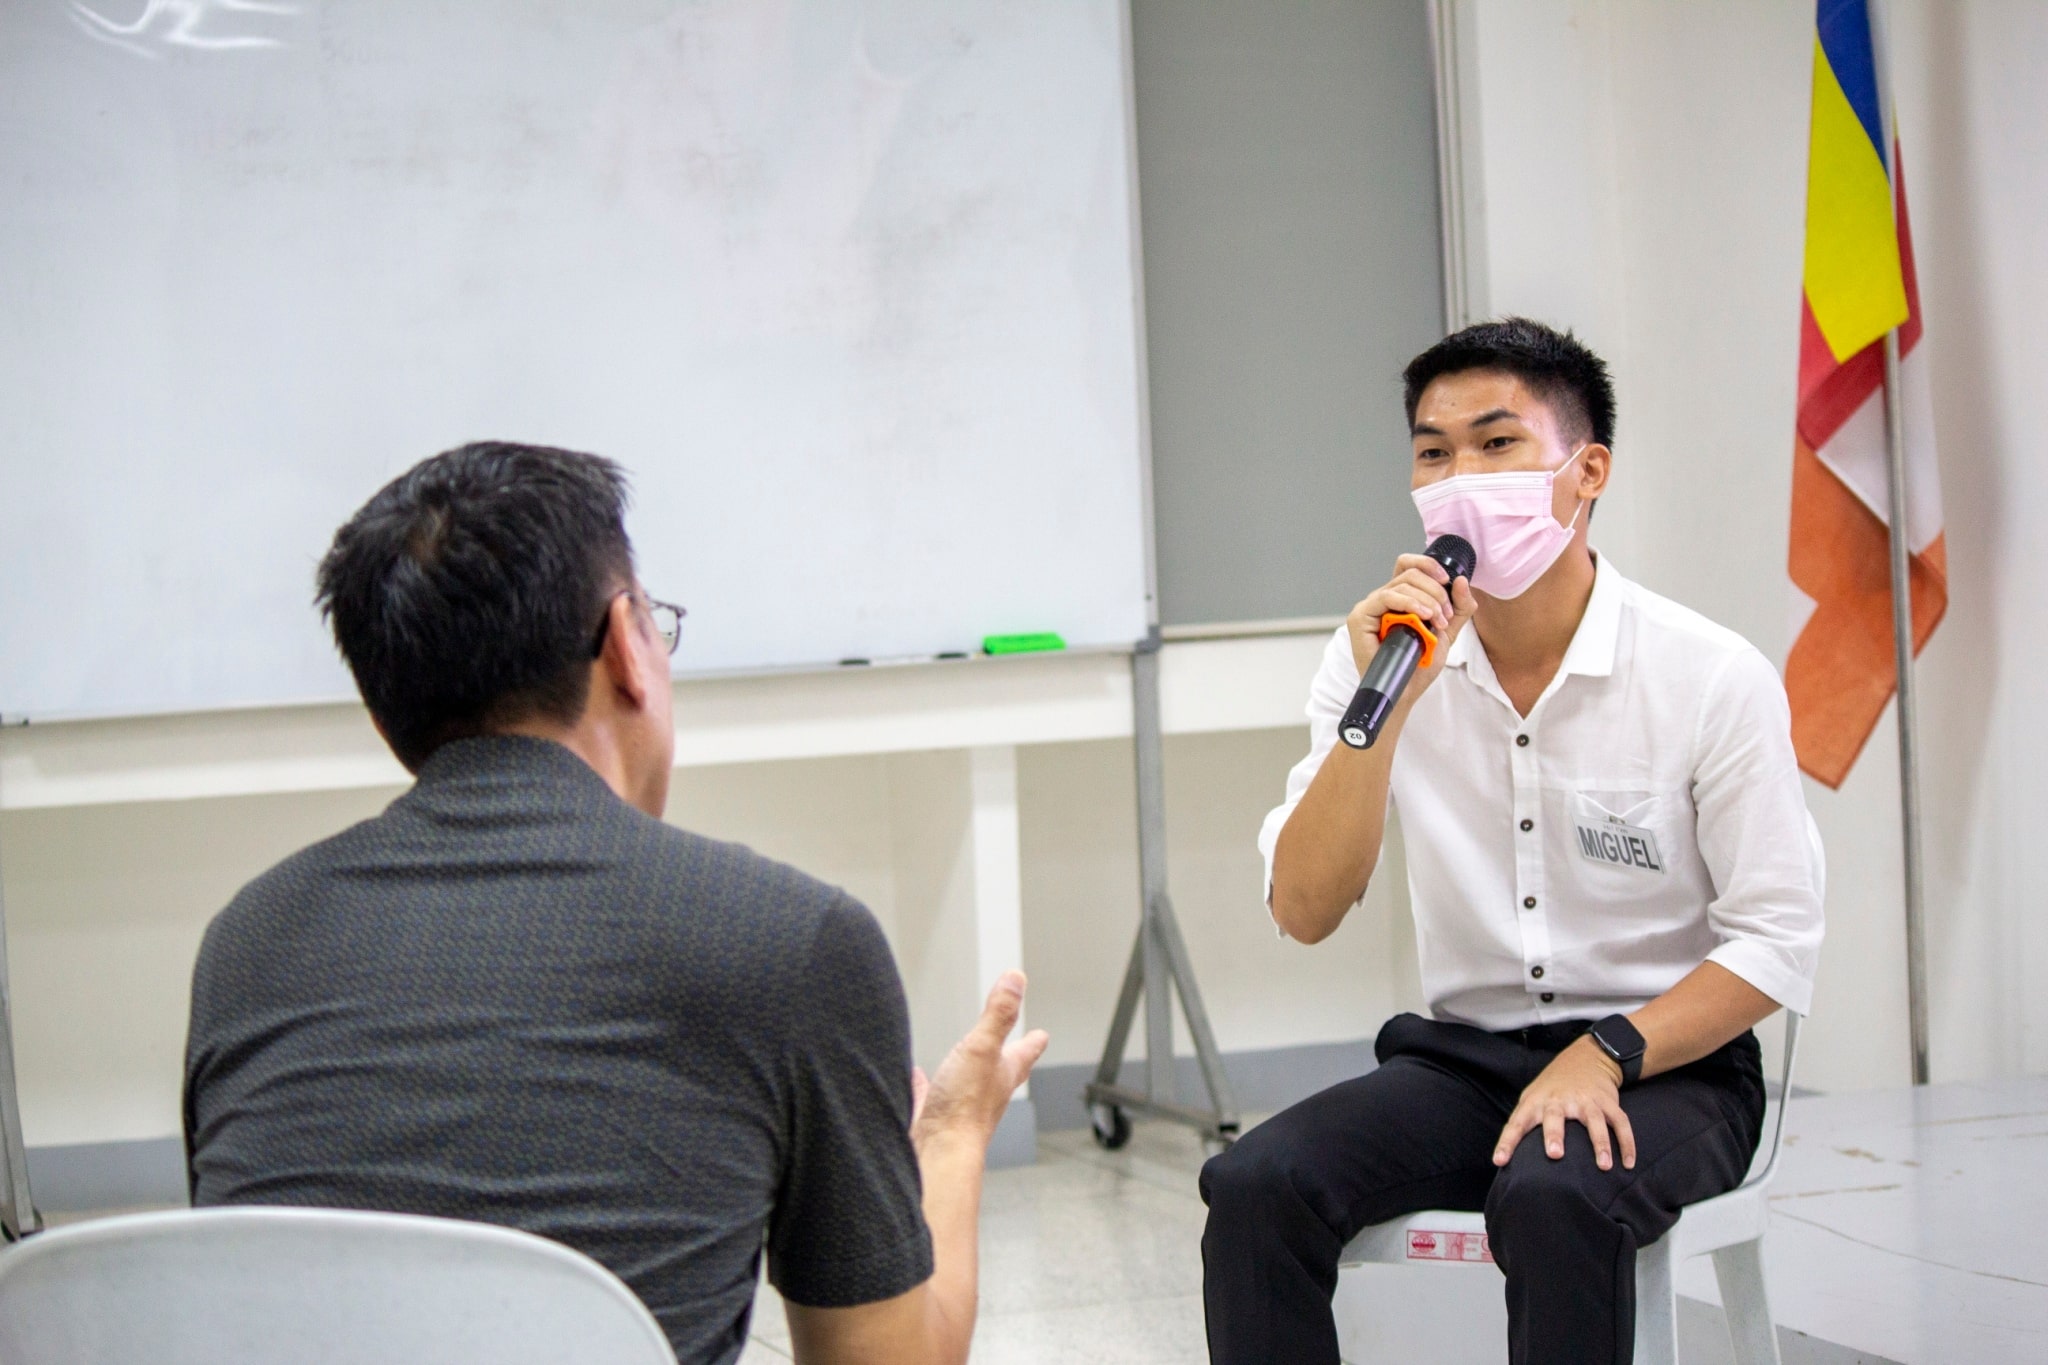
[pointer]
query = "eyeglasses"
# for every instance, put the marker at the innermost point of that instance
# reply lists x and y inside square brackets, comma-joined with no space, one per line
[667,618]
[668,622]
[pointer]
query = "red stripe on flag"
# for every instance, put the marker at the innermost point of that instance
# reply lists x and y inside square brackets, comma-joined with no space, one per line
[1830,393]
[1816,361]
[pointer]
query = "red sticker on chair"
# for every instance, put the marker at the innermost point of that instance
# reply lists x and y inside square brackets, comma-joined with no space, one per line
[1424,1245]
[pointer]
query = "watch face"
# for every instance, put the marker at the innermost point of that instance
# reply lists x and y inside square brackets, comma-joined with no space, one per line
[1635,1046]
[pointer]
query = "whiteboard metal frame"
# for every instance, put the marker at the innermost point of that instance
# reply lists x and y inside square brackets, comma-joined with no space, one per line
[1149,521]
[1461,183]
[18,1216]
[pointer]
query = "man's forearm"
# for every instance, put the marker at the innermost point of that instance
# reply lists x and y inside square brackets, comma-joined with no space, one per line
[951,1165]
[1331,842]
[932,1324]
[1705,1010]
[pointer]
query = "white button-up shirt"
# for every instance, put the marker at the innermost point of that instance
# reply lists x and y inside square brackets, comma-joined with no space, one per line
[1645,816]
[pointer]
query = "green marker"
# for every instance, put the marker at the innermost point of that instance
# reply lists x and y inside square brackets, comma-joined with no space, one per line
[1033,642]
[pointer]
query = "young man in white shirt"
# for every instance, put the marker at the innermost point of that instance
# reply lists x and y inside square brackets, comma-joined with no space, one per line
[1612,878]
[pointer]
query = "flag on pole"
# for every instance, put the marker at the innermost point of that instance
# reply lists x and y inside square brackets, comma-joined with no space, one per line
[1859,284]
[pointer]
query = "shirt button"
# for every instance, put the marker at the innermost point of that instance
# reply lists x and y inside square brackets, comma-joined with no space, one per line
[1536,972]
[1529,903]
[1528,825]
[1522,740]
[1547,997]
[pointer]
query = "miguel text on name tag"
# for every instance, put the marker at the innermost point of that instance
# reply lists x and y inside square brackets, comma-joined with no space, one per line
[1621,844]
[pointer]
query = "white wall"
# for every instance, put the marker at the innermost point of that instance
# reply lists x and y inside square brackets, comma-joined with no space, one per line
[1974,93]
[1080,835]
[105,908]
[1645,182]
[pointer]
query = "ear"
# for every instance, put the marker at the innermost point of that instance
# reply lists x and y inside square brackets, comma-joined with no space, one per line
[1596,462]
[623,662]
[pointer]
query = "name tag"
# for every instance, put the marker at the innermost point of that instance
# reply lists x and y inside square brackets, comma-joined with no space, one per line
[1616,842]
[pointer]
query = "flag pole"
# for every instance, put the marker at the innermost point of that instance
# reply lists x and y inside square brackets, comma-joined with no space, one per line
[1909,749]
[1902,606]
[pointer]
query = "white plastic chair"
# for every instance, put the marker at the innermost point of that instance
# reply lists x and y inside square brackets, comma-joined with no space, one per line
[262,1286]
[1730,1227]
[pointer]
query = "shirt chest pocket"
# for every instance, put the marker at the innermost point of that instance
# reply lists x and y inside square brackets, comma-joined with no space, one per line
[1623,838]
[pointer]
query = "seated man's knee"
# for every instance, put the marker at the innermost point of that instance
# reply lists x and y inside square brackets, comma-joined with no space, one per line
[1535,1197]
[1248,1176]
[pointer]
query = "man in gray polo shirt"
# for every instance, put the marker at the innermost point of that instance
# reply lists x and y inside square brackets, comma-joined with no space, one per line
[518,996]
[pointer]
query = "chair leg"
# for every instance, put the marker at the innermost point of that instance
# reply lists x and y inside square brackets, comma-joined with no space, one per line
[1740,1269]
[1656,1305]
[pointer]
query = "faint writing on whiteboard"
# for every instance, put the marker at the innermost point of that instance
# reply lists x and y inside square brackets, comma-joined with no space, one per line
[759,145]
[211,25]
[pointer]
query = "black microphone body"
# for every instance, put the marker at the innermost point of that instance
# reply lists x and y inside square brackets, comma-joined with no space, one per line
[1402,647]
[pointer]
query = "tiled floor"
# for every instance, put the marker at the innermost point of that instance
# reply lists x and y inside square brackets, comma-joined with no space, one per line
[1088,1256]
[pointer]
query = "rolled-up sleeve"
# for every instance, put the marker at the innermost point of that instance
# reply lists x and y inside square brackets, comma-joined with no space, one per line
[1329,692]
[1755,833]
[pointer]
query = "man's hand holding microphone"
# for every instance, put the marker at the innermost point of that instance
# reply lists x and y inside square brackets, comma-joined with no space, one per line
[1405,628]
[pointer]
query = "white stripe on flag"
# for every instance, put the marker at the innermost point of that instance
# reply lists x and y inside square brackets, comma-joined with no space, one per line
[1856,453]
[1801,608]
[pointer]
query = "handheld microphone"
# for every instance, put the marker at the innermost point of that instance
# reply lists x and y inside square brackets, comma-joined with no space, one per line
[1406,644]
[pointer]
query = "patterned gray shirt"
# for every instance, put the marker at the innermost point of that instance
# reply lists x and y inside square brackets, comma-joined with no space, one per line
[514,998]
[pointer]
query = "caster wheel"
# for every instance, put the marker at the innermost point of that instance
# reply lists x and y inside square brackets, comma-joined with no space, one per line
[1216,1146]
[1112,1126]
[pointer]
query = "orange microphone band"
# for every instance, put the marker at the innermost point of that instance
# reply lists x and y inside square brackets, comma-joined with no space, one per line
[1415,623]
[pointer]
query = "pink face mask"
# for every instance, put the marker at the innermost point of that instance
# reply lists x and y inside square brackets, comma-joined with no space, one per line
[1507,518]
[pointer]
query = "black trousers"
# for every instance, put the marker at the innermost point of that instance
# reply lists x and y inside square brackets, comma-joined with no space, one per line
[1418,1133]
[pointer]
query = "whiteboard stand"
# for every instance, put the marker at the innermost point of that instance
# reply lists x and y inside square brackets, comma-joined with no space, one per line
[1159,964]
[18,1216]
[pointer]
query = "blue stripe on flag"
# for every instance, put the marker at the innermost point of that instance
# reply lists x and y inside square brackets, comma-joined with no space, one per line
[1845,37]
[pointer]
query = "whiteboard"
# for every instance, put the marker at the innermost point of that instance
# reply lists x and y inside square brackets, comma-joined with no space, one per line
[847,286]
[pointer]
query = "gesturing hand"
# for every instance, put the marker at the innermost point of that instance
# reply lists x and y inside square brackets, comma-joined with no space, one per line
[1581,1083]
[972,1087]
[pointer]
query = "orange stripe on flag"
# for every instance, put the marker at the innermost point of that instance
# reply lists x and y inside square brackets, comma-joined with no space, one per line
[1840,672]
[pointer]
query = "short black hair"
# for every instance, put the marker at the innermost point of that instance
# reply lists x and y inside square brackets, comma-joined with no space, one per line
[1558,367]
[467,593]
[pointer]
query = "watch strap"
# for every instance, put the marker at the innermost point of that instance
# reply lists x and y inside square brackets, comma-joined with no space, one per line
[1622,1041]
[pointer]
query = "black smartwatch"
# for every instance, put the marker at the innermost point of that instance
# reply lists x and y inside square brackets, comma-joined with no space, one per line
[1618,1038]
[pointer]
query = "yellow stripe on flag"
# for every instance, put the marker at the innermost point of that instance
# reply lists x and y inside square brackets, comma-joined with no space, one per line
[1853,282]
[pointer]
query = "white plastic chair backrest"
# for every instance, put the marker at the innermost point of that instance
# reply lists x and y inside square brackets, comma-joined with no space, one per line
[1820,890]
[243,1286]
